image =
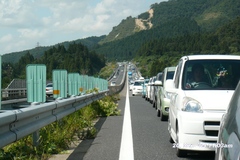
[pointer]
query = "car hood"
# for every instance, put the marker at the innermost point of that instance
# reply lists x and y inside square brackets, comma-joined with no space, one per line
[212,100]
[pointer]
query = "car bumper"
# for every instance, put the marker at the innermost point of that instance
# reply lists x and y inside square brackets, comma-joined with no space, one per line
[199,131]
[165,106]
[137,92]
[49,92]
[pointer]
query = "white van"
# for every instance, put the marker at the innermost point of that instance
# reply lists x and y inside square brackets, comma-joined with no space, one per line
[196,107]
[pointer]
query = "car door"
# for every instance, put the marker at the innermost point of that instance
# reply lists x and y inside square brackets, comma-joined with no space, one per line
[175,100]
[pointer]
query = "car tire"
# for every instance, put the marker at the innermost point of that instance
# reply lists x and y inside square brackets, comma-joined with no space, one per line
[181,153]
[163,117]
[133,95]
[171,140]
[158,113]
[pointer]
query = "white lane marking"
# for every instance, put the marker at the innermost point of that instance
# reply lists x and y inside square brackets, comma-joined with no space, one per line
[126,148]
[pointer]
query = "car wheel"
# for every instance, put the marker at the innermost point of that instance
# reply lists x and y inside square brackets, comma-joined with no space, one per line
[180,152]
[163,117]
[153,105]
[132,94]
[158,113]
[171,140]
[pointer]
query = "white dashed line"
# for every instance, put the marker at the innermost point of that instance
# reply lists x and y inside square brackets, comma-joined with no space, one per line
[126,148]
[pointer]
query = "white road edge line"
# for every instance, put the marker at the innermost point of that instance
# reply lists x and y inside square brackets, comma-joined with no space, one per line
[126,148]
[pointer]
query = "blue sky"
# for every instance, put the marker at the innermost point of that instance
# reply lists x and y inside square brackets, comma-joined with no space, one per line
[24,23]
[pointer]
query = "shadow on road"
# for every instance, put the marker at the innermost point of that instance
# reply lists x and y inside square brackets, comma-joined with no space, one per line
[83,147]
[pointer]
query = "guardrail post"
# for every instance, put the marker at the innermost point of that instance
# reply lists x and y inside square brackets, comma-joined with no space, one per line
[35,136]
[1,81]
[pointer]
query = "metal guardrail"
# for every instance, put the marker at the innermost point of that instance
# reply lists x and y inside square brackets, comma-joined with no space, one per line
[16,124]
[118,88]
[14,93]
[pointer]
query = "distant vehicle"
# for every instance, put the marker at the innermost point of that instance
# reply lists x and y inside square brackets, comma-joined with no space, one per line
[144,90]
[155,88]
[114,76]
[163,97]
[131,85]
[137,87]
[201,89]
[113,83]
[49,89]
[147,97]
[229,133]
[130,74]
[152,94]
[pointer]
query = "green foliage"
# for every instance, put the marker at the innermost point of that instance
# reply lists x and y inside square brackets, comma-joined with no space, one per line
[106,107]
[7,74]
[38,51]
[57,136]
[126,28]
[77,58]
[107,71]
[180,26]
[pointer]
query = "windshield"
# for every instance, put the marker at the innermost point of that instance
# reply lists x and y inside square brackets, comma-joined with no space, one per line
[211,74]
[138,83]
[170,74]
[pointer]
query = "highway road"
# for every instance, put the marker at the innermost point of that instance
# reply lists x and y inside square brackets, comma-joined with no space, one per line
[136,134]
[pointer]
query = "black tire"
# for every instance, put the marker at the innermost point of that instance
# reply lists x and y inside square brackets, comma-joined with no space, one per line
[181,153]
[163,117]
[158,113]
[153,105]
[171,140]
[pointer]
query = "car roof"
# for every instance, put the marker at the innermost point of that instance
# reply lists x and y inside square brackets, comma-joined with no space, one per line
[49,84]
[170,68]
[199,57]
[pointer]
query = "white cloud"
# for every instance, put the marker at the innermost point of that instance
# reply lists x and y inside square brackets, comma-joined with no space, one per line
[24,22]
[6,38]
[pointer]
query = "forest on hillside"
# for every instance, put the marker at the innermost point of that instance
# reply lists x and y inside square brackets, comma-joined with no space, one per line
[76,58]
[164,52]
[180,27]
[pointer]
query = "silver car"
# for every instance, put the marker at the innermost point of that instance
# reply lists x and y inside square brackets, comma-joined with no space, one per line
[163,99]
[228,145]
[49,89]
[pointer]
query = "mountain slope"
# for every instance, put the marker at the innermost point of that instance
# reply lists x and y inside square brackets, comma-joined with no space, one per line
[209,15]
[38,52]
[129,26]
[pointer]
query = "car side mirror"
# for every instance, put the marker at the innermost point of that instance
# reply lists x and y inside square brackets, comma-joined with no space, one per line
[169,85]
[158,83]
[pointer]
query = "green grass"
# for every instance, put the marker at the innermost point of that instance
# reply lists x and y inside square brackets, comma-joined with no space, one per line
[57,137]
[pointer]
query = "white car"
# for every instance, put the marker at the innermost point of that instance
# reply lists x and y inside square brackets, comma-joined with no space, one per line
[145,87]
[229,135]
[49,89]
[151,95]
[131,85]
[196,108]
[113,83]
[163,97]
[137,87]
[148,85]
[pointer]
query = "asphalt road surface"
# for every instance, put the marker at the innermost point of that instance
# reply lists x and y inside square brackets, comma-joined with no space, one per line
[136,134]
